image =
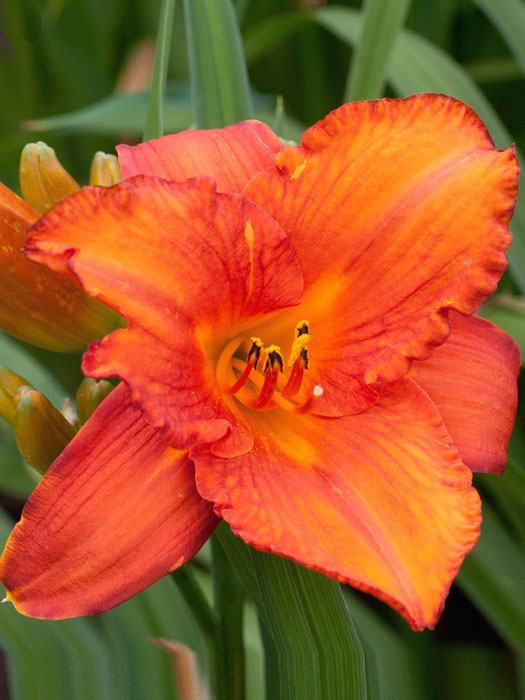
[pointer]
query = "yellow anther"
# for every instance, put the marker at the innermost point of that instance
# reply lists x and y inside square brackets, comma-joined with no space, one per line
[274,358]
[303,327]
[299,347]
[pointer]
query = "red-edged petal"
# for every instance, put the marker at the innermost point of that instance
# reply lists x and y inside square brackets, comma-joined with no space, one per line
[116,511]
[380,500]
[188,268]
[232,156]
[472,379]
[36,304]
[398,210]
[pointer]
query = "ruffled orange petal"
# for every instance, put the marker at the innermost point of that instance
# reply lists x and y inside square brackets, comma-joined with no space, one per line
[232,156]
[380,500]
[398,210]
[188,268]
[117,511]
[37,305]
[472,378]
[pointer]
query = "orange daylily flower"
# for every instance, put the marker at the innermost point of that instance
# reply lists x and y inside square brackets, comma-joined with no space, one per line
[37,305]
[300,357]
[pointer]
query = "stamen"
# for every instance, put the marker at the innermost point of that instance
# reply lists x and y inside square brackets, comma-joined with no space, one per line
[298,359]
[295,379]
[274,365]
[303,328]
[252,359]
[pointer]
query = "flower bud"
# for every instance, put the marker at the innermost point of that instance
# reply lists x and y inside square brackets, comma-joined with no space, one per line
[89,395]
[43,180]
[105,170]
[41,432]
[10,383]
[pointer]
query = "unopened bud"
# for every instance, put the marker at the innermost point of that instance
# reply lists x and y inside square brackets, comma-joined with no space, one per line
[105,170]
[43,180]
[41,431]
[89,395]
[10,383]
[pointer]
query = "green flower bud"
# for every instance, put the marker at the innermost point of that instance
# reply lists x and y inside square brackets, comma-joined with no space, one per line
[89,395]
[41,431]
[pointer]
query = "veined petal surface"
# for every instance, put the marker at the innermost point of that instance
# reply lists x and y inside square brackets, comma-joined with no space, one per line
[188,268]
[232,156]
[116,511]
[398,211]
[36,304]
[472,379]
[380,500]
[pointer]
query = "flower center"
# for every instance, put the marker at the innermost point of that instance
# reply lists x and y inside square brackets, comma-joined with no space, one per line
[256,376]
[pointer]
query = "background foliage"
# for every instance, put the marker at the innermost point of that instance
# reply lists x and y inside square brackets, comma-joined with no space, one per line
[75,74]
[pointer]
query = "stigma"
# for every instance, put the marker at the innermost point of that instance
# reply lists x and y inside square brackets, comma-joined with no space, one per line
[263,381]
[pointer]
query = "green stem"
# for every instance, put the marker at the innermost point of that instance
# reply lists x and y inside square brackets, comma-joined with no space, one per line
[155,118]
[229,603]
[197,602]
[222,628]
[206,619]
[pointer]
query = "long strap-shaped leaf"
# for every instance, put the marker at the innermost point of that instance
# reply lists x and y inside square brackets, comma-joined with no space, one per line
[492,576]
[416,65]
[316,649]
[155,119]
[218,75]
[509,17]
[382,22]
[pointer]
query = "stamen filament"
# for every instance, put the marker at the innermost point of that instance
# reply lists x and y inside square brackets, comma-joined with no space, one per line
[264,400]
[241,381]
[295,380]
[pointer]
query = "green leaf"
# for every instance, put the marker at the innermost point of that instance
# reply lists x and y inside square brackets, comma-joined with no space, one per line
[218,74]
[155,119]
[120,114]
[53,659]
[261,38]
[108,656]
[15,478]
[382,20]
[492,577]
[315,647]
[509,17]
[124,114]
[14,356]
[416,65]
[508,492]
[508,313]
[467,671]
[401,658]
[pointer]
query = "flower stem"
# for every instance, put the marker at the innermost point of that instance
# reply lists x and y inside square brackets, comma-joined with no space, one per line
[201,610]
[221,628]
[229,604]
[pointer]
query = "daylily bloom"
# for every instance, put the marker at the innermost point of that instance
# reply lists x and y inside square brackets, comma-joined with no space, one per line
[36,304]
[300,357]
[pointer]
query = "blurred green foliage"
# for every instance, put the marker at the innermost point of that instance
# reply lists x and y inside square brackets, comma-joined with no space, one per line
[63,67]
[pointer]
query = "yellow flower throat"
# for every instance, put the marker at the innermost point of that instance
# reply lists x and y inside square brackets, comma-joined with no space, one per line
[260,379]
